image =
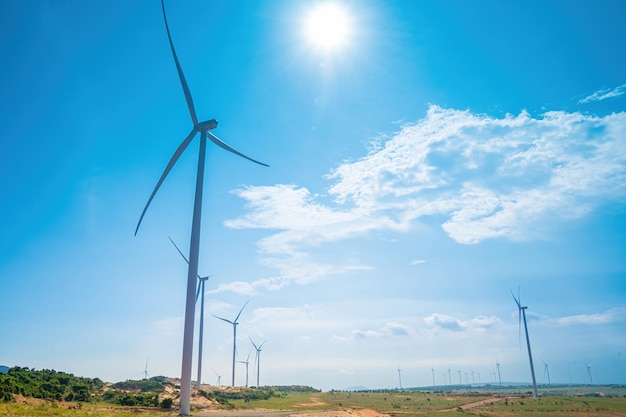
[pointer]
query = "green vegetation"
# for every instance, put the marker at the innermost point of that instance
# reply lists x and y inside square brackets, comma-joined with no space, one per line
[48,384]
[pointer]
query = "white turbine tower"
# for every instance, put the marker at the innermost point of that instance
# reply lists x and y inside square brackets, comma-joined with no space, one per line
[194,247]
[522,314]
[247,362]
[202,281]
[546,371]
[234,323]
[257,359]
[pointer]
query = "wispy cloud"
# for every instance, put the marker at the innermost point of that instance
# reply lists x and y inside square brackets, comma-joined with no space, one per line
[417,261]
[390,329]
[614,315]
[604,94]
[454,324]
[486,177]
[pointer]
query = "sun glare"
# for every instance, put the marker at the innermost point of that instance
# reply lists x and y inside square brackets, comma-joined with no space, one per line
[328,27]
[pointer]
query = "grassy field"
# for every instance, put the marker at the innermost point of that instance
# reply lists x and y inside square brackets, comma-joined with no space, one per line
[335,404]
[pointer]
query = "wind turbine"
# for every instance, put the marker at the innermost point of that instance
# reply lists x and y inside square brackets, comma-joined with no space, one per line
[219,378]
[433,371]
[194,247]
[460,381]
[499,377]
[257,359]
[234,323]
[399,376]
[145,371]
[247,362]
[522,314]
[449,377]
[546,371]
[201,335]
[588,365]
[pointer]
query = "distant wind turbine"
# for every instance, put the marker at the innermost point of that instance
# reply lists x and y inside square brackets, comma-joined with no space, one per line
[399,376]
[522,314]
[247,362]
[588,365]
[449,377]
[499,376]
[546,371]
[202,128]
[460,381]
[202,281]
[433,371]
[257,359]
[219,378]
[145,371]
[234,323]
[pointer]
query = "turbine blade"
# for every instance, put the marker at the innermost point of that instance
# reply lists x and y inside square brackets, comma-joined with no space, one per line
[198,293]
[168,168]
[253,344]
[229,148]
[179,251]
[192,110]
[226,320]
[186,260]
[244,306]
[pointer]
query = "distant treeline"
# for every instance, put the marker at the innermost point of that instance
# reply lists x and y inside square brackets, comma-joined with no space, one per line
[47,384]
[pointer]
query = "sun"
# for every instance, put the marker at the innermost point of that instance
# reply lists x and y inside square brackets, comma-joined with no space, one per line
[327,27]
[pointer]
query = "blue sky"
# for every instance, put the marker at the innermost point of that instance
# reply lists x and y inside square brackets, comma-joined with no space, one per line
[448,153]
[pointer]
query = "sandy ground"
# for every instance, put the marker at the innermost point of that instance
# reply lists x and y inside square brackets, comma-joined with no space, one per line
[475,404]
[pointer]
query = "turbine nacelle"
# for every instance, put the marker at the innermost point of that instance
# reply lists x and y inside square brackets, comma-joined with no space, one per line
[207,125]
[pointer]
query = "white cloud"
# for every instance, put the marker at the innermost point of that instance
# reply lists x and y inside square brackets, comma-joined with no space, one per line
[417,261]
[486,177]
[446,322]
[614,315]
[604,94]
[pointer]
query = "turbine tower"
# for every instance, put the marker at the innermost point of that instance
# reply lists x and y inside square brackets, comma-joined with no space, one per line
[257,359]
[234,323]
[522,314]
[449,377]
[194,247]
[546,371]
[202,281]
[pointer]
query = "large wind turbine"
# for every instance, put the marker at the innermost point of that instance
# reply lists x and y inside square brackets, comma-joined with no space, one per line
[522,314]
[399,376]
[234,323]
[194,247]
[257,359]
[202,281]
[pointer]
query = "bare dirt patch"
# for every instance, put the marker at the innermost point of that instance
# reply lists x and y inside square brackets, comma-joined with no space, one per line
[475,404]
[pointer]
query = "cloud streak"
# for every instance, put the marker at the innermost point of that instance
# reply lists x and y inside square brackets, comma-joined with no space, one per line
[604,94]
